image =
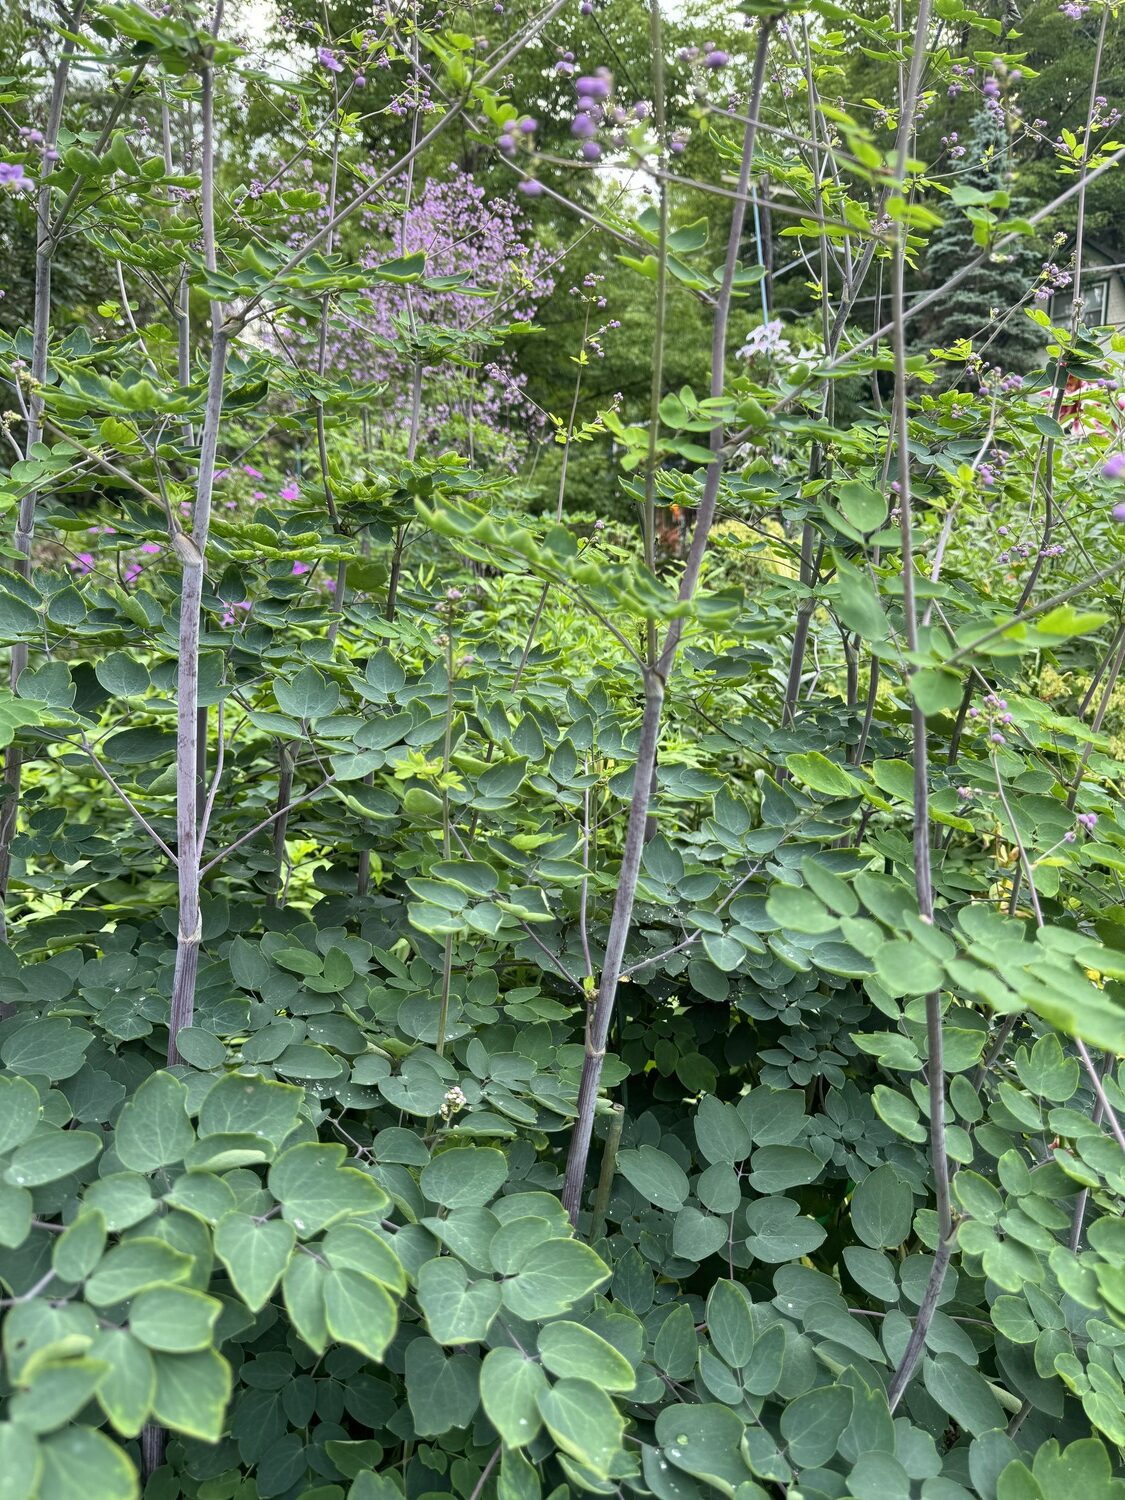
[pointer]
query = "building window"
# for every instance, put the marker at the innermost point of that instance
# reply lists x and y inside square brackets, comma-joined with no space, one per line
[1095,304]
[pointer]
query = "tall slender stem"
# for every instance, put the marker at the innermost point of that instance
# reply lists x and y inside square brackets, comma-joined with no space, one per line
[655,679]
[192,553]
[923,879]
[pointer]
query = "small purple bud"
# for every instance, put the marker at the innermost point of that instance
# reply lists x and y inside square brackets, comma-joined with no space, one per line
[1114,466]
[716,59]
[583,127]
[529,126]
[531,188]
[591,151]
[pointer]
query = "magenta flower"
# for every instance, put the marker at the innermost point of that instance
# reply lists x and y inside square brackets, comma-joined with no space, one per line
[251,471]
[328,59]
[151,548]
[289,491]
[299,568]
[83,562]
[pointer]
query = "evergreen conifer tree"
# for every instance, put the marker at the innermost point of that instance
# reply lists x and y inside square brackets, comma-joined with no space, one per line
[987,306]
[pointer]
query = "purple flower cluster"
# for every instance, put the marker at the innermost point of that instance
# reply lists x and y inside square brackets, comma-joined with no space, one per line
[710,55]
[460,228]
[1052,278]
[952,146]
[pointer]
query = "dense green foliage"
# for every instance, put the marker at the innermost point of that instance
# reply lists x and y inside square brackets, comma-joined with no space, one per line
[450,724]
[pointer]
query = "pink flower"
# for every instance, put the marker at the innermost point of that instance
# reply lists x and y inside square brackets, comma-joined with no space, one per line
[133,572]
[299,568]
[83,562]
[252,471]
[151,548]
[289,491]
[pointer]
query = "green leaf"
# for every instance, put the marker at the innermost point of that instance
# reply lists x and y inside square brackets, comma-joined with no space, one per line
[19,1111]
[302,1287]
[905,968]
[21,1463]
[51,1153]
[465,1177]
[15,1215]
[315,1190]
[704,1440]
[457,1310]
[778,1230]
[192,1391]
[359,1311]
[936,689]
[175,1319]
[823,775]
[864,506]
[53,1390]
[133,1267]
[882,1208]
[696,1235]
[153,1129]
[775,1168]
[583,1422]
[720,1132]
[127,1389]
[53,1047]
[122,676]
[556,1274]
[978,1197]
[308,696]
[729,1323]
[813,1424]
[510,1387]
[79,1248]
[655,1176]
[962,1392]
[255,1254]
[352,1246]
[568,1349]
[442,1393]
[83,1461]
